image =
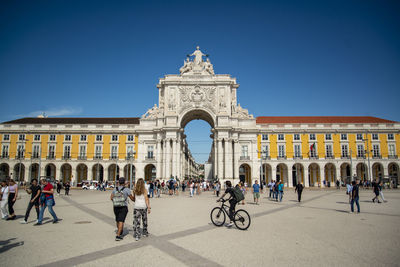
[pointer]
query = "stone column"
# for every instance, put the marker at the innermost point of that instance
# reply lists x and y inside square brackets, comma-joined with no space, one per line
[306,173]
[178,160]
[273,172]
[164,159]
[215,167]
[90,173]
[158,158]
[338,176]
[322,176]
[174,157]
[228,146]
[220,160]
[168,159]
[226,160]
[290,177]
[236,160]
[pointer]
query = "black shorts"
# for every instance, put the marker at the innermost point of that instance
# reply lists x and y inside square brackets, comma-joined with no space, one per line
[120,213]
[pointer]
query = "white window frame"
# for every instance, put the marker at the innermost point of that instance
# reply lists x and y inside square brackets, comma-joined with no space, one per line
[98,153]
[375,136]
[67,137]
[114,138]
[266,151]
[99,138]
[358,135]
[150,152]
[390,136]
[328,151]
[391,152]
[114,152]
[21,137]
[4,151]
[330,137]
[376,150]
[345,150]
[52,151]
[298,137]
[245,151]
[20,151]
[82,151]
[67,151]
[83,138]
[281,137]
[281,151]
[264,137]
[343,137]
[131,138]
[297,152]
[35,151]
[6,137]
[36,137]
[52,137]
[360,150]
[313,137]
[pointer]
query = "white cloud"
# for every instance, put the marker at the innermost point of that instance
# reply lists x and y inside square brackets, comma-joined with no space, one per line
[55,112]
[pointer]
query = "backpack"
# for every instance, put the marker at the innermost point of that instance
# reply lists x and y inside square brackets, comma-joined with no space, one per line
[119,198]
[238,195]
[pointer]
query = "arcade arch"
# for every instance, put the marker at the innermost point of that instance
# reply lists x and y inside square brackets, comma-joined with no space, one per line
[4,170]
[34,171]
[267,173]
[66,173]
[245,174]
[150,172]
[113,172]
[377,171]
[98,172]
[282,173]
[19,172]
[81,173]
[345,172]
[362,171]
[128,169]
[393,169]
[50,171]
[314,175]
[298,173]
[330,173]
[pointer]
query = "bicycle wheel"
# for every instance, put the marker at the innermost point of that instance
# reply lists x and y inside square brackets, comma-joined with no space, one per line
[217,216]
[242,219]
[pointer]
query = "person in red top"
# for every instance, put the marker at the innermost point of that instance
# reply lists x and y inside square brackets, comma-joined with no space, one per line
[47,201]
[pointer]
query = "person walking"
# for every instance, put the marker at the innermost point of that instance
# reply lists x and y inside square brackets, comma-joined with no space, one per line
[349,189]
[280,190]
[191,188]
[58,187]
[46,201]
[12,198]
[375,188]
[119,197]
[256,192]
[4,199]
[67,187]
[34,191]
[217,188]
[151,187]
[381,192]
[299,189]
[355,196]
[271,188]
[140,210]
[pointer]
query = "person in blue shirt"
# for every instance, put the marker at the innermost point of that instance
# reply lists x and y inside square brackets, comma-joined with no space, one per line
[256,192]
[280,191]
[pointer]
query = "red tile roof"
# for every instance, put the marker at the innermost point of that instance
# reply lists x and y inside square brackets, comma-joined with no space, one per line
[74,121]
[321,119]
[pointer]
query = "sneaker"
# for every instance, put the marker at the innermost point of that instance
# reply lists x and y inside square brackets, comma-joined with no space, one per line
[229,224]
[118,238]
[373,200]
[37,224]
[137,238]
[146,234]
[23,222]
[351,212]
[56,221]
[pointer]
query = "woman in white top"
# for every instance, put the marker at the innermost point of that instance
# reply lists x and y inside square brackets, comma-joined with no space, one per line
[140,209]
[4,200]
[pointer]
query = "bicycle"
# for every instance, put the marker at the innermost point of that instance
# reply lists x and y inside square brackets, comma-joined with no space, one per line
[241,218]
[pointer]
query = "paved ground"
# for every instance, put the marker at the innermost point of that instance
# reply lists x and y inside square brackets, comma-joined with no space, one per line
[318,232]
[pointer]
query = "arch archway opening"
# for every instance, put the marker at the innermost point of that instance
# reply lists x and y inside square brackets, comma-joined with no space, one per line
[245,174]
[150,172]
[330,174]
[314,175]
[113,172]
[130,172]
[282,173]
[98,172]
[4,170]
[50,171]
[66,173]
[81,173]
[298,173]
[19,172]
[34,171]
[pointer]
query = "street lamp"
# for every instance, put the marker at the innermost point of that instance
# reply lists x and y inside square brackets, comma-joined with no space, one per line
[369,164]
[261,168]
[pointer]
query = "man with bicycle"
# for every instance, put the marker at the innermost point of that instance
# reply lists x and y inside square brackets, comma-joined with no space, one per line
[232,201]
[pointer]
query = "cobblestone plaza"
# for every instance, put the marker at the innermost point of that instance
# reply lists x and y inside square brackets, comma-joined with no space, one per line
[318,232]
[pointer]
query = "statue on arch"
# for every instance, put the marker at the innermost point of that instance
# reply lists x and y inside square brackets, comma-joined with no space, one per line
[198,56]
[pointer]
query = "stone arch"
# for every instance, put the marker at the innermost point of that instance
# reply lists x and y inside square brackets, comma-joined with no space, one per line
[345,172]
[362,171]
[19,172]
[282,173]
[50,171]
[81,173]
[4,170]
[267,173]
[330,174]
[197,114]
[34,171]
[314,174]
[245,173]
[393,169]
[127,172]
[150,172]
[377,171]
[113,172]
[66,173]
[298,173]
[98,172]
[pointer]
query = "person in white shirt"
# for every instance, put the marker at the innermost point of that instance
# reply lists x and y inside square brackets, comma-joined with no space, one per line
[4,200]
[147,187]
[141,208]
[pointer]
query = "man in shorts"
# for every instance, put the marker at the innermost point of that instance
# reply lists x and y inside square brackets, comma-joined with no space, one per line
[256,192]
[120,206]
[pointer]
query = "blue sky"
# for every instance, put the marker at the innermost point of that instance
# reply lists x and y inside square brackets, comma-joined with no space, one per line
[104,58]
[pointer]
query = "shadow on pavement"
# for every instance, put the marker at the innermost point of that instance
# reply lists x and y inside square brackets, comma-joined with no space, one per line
[7,245]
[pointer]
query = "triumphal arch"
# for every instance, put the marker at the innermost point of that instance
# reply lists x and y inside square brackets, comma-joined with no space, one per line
[197,93]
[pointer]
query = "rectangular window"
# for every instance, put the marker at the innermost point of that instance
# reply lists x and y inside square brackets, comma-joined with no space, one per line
[360,151]
[329,153]
[6,137]
[52,151]
[4,151]
[266,152]
[328,136]
[376,151]
[281,150]
[82,151]
[52,137]
[67,137]
[67,152]
[245,152]
[150,152]
[21,137]
[345,151]
[35,153]
[281,137]
[343,137]
[392,150]
[114,152]
[312,136]
[36,137]
[99,137]
[129,152]
[296,137]
[313,151]
[130,138]
[359,137]
[390,136]
[375,137]
[98,152]
[20,151]
[265,137]
[297,151]
[83,137]
[114,137]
